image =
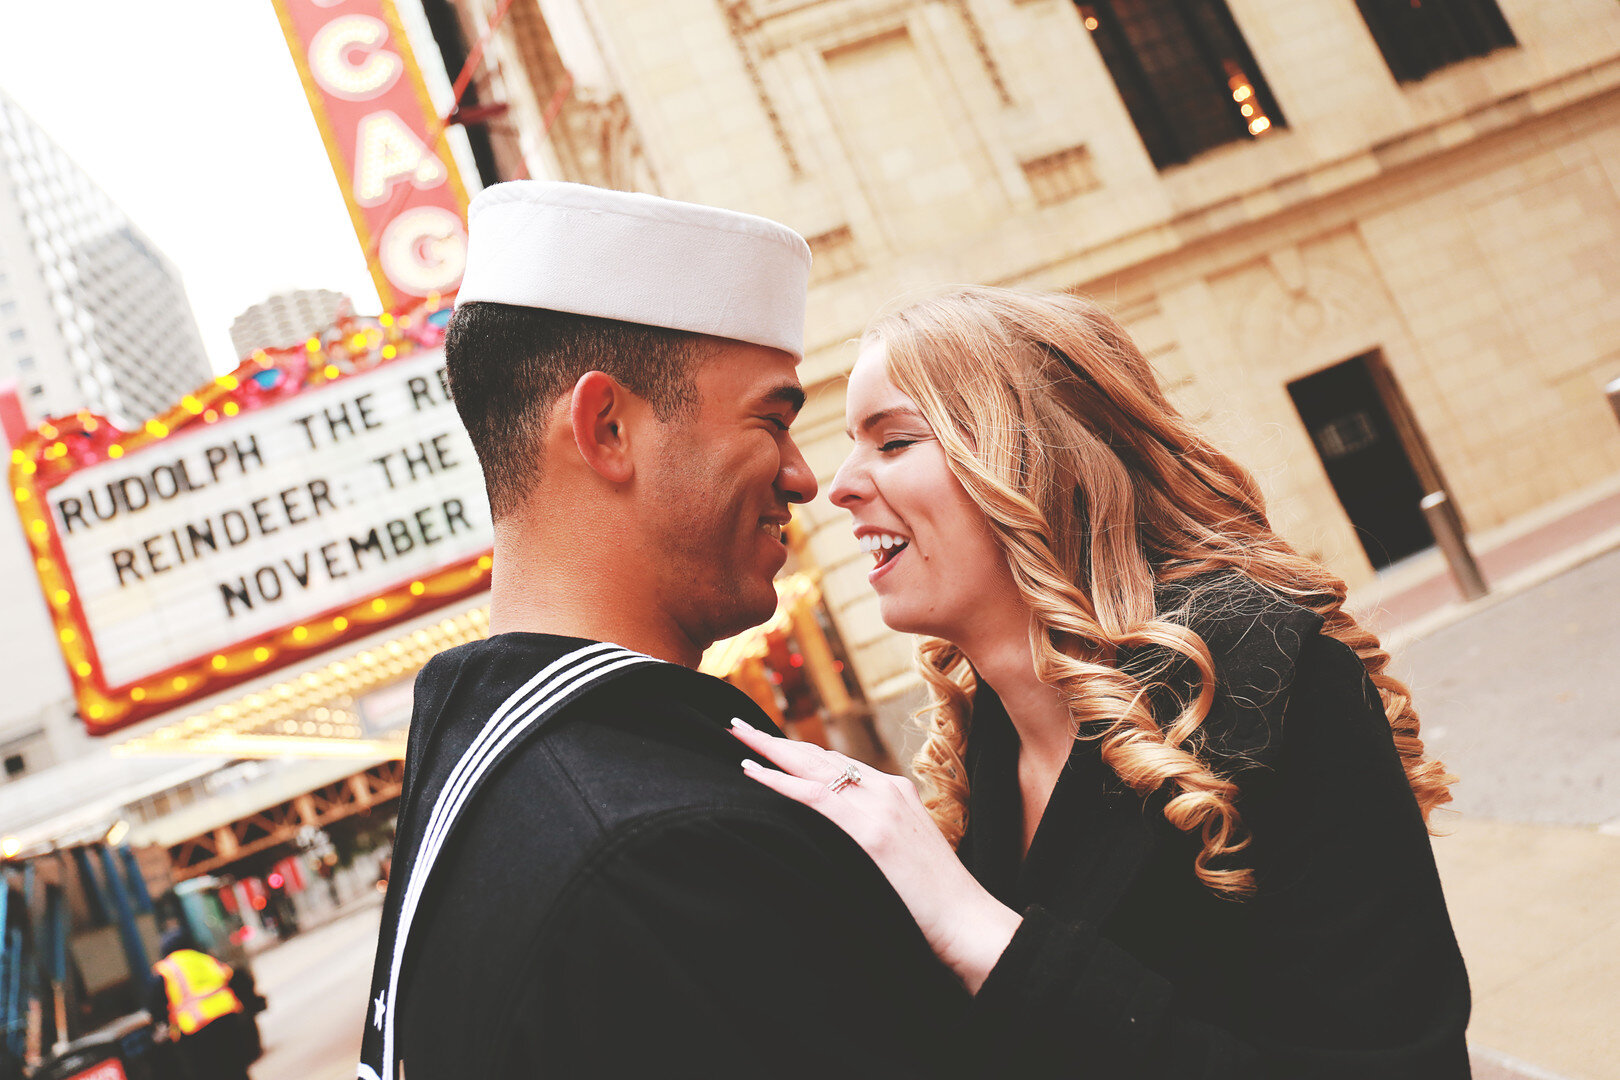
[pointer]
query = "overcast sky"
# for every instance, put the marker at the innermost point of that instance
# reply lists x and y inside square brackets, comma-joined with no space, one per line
[189,113]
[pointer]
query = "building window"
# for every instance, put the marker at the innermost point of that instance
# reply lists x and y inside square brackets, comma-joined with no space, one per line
[1063,175]
[1421,36]
[836,254]
[1185,73]
[15,765]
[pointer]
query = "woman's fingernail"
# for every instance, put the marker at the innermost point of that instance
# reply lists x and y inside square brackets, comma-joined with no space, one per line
[740,723]
[749,763]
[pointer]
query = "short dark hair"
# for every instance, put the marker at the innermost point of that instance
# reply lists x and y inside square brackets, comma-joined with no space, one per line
[508,365]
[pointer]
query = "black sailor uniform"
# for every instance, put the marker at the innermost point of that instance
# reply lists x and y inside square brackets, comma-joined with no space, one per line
[620,900]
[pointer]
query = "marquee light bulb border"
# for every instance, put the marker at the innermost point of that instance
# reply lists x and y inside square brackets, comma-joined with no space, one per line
[61,447]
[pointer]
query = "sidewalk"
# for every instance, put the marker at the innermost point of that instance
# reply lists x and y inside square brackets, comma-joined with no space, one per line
[1535,911]
[1518,696]
[1420,595]
[316,983]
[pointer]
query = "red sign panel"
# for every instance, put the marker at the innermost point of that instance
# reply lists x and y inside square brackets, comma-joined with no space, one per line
[386,143]
[111,1069]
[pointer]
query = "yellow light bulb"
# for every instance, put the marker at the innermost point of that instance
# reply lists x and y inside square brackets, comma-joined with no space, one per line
[83,669]
[261,654]
[218,663]
[379,605]
[115,451]
[232,408]
[340,623]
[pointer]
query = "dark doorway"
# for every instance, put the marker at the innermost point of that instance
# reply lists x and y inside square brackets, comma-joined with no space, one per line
[1367,440]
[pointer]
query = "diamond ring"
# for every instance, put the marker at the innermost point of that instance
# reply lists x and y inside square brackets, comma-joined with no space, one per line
[848,778]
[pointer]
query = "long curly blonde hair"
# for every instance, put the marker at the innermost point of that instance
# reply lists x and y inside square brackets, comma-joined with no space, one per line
[1098,490]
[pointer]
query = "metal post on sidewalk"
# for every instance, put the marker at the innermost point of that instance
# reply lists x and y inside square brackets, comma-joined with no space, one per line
[1612,392]
[1448,533]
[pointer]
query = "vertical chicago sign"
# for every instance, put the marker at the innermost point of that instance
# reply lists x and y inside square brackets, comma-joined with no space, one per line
[385,141]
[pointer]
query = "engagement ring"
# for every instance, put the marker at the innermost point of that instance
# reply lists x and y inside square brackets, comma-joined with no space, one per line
[850,777]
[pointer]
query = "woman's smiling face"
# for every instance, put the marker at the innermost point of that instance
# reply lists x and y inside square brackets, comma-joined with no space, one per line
[936,561]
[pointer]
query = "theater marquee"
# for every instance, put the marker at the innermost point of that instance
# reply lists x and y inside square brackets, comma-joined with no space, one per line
[312,496]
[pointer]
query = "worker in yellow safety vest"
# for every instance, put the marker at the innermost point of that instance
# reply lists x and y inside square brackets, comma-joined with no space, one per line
[204,1015]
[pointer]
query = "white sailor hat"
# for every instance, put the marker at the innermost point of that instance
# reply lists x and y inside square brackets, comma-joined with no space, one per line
[640,259]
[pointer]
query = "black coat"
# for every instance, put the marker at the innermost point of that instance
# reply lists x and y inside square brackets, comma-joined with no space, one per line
[1344,965]
[622,901]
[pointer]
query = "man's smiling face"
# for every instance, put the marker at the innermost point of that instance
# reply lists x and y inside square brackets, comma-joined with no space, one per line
[719,489]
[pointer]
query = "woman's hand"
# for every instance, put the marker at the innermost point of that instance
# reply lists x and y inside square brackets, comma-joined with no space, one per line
[966,927]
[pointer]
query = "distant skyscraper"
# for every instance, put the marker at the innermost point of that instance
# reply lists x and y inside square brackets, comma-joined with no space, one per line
[287,319]
[92,315]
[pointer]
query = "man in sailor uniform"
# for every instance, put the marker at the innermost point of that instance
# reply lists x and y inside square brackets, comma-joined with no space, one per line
[585,882]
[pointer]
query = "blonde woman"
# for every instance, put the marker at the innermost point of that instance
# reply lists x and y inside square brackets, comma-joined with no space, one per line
[1172,817]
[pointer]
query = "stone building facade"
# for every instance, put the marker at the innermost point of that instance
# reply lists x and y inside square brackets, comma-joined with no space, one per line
[1373,247]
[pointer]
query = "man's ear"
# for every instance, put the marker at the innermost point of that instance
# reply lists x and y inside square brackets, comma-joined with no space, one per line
[597,409]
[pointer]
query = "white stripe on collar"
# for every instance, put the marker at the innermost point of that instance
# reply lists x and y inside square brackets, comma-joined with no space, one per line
[531,703]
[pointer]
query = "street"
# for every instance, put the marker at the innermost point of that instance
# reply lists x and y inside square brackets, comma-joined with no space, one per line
[1519,700]
[316,984]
